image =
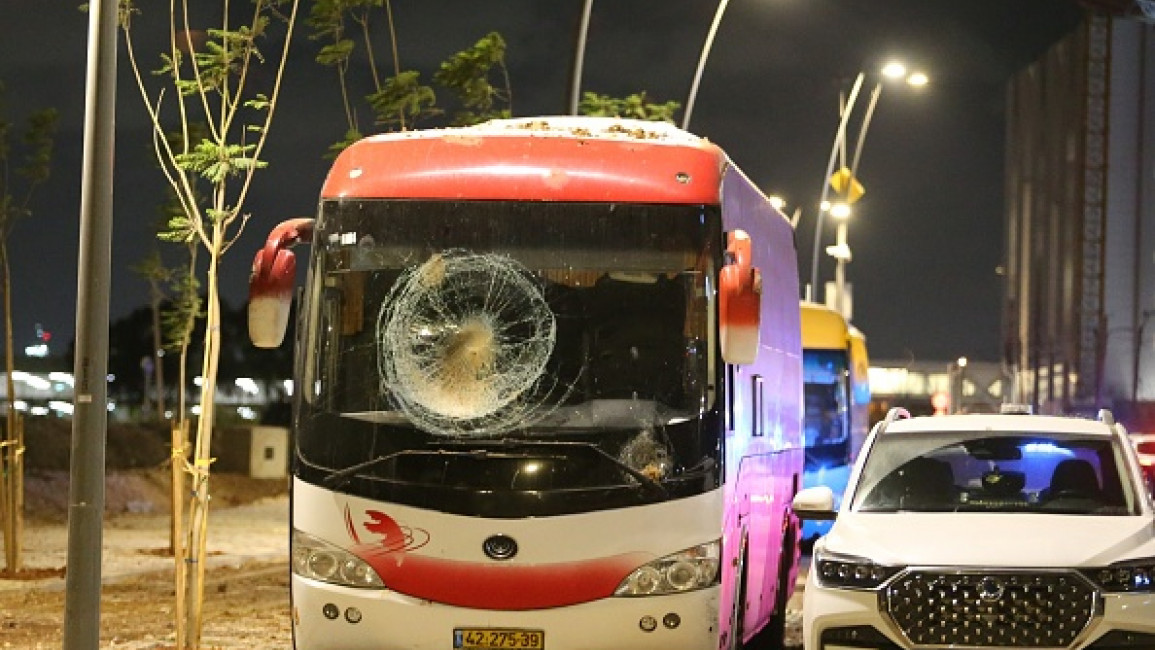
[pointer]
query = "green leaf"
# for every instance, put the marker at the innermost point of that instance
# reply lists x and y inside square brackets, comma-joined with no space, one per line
[336,53]
[402,99]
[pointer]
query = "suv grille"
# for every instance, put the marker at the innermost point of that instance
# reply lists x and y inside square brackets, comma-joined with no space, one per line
[1005,609]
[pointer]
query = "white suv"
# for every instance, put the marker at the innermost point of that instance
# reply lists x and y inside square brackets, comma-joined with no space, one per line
[985,531]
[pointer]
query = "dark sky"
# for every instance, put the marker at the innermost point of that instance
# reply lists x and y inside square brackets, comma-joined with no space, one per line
[926,238]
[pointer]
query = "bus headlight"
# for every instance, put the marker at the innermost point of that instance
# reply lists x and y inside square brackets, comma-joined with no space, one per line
[319,560]
[693,568]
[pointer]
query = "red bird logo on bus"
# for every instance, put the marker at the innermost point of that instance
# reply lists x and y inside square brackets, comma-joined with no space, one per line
[391,536]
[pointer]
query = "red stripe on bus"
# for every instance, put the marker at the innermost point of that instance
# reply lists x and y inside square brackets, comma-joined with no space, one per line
[501,586]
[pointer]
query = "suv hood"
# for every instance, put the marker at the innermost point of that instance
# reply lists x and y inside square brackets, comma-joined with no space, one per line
[992,540]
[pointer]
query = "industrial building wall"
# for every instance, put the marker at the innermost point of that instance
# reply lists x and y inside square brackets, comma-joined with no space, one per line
[1080,222]
[1129,364]
[1045,173]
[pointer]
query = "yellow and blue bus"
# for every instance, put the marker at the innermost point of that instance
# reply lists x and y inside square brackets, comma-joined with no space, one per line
[837,401]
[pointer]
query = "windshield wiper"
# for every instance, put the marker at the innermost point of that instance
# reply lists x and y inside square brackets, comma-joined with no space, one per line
[339,477]
[645,480]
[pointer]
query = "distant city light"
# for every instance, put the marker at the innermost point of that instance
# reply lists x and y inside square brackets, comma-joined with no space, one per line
[39,350]
[38,383]
[61,407]
[247,384]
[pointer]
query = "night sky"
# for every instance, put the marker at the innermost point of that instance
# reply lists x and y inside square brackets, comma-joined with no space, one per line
[926,238]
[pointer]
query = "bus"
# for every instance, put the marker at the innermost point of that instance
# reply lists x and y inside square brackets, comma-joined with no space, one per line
[548,393]
[837,402]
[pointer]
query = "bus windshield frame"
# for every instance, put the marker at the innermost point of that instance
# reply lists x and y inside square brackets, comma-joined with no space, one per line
[510,358]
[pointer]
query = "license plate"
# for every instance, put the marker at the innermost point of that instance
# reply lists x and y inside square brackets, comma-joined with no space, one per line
[495,638]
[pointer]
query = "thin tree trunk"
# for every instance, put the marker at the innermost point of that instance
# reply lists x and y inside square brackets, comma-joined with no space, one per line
[17,471]
[158,352]
[13,451]
[199,505]
[179,433]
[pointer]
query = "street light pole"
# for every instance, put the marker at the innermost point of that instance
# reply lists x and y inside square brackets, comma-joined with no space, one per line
[841,251]
[702,62]
[839,140]
[579,57]
[842,255]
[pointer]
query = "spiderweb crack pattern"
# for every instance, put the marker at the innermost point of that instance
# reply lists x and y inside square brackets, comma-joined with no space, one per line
[463,340]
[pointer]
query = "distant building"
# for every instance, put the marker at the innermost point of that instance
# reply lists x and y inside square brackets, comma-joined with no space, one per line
[1080,222]
[918,385]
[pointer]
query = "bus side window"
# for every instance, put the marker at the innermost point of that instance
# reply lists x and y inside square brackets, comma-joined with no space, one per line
[756,405]
[731,386]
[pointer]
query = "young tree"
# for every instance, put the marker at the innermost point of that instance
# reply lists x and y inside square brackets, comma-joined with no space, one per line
[467,73]
[401,101]
[153,270]
[213,77]
[635,106]
[17,186]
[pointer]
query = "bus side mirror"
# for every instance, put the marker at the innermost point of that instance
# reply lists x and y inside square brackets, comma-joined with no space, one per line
[271,282]
[739,301]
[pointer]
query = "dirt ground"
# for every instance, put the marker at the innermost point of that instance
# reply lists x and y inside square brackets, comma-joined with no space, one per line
[246,594]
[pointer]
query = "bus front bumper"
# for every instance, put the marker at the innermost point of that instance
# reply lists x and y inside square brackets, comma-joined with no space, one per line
[330,616]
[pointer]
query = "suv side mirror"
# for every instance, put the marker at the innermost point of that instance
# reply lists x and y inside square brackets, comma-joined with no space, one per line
[271,282]
[739,301]
[816,503]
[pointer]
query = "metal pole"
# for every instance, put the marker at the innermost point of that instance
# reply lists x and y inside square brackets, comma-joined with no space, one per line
[702,62]
[862,133]
[839,138]
[840,272]
[840,268]
[579,57]
[89,418]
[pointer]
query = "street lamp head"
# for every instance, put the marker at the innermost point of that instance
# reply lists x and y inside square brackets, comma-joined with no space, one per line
[894,70]
[897,70]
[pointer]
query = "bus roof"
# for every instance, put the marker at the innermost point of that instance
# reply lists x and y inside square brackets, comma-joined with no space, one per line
[534,159]
[823,328]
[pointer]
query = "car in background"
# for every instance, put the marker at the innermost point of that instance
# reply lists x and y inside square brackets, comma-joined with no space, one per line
[1145,448]
[985,530]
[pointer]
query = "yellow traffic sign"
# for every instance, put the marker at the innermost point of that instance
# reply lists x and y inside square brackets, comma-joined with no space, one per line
[842,181]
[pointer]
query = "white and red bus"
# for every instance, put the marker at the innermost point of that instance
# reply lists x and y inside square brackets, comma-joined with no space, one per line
[548,393]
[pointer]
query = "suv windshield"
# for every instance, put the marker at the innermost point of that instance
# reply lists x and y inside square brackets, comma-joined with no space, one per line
[985,471]
[457,351]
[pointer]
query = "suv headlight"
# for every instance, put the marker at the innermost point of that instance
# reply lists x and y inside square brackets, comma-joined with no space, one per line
[693,568]
[320,560]
[849,571]
[1129,576]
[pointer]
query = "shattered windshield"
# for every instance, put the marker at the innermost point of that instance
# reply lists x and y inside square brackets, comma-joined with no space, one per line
[509,345]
